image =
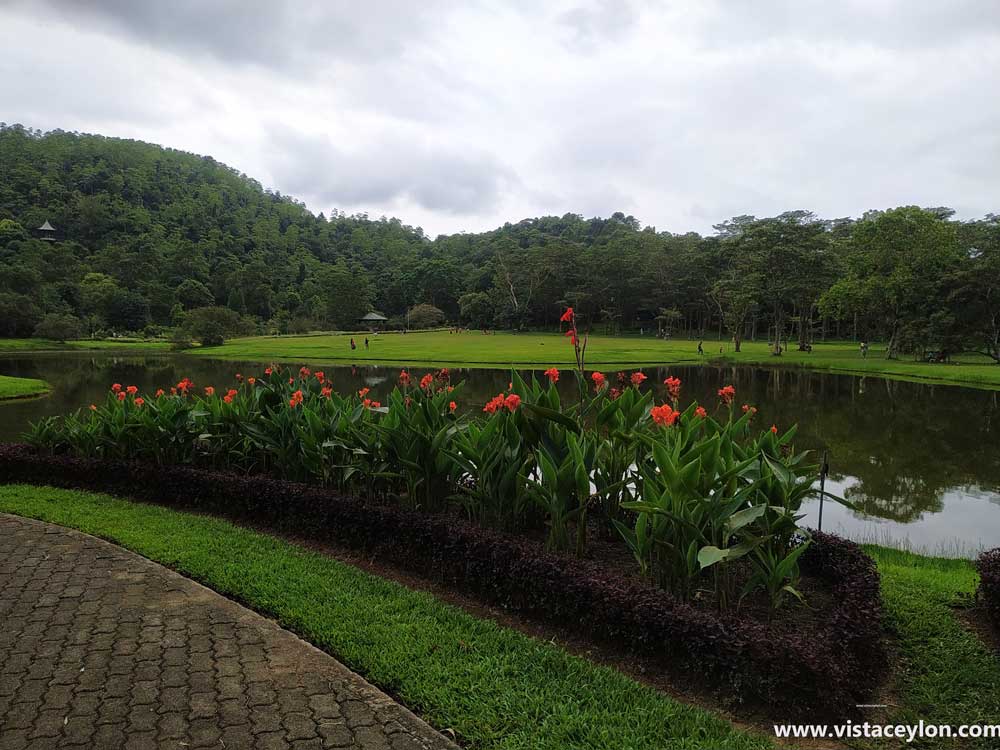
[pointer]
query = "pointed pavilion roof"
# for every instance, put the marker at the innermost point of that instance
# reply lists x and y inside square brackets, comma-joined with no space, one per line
[46,227]
[374,316]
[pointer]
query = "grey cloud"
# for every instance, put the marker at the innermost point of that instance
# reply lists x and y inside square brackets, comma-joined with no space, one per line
[893,24]
[438,179]
[297,35]
[595,22]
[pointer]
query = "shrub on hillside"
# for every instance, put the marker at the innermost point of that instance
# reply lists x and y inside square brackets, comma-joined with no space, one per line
[59,327]
[425,316]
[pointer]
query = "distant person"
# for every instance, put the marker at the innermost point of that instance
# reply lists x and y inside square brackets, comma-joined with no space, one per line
[353,345]
[366,342]
[864,350]
[701,349]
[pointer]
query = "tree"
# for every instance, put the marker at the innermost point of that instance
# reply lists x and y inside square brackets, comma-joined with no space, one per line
[425,316]
[192,293]
[59,327]
[897,267]
[213,325]
[476,309]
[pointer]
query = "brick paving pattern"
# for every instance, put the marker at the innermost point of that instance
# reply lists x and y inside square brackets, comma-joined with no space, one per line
[101,648]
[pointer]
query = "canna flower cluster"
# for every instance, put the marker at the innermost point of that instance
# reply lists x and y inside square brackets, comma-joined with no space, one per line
[727,394]
[664,415]
[673,388]
[509,401]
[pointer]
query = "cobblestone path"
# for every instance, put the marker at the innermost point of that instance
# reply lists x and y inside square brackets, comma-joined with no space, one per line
[101,648]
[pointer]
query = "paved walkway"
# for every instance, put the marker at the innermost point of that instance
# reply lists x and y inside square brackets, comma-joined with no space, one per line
[101,648]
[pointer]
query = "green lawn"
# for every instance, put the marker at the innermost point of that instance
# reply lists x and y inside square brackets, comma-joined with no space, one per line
[494,686]
[21,387]
[544,350]
[17,346]
[946,674]
[500,689]
[502,350]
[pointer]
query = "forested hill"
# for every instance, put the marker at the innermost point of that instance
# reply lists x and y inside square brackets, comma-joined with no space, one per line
[146,235]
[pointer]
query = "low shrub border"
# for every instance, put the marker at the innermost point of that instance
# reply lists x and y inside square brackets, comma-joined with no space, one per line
[743,659]
[988,567]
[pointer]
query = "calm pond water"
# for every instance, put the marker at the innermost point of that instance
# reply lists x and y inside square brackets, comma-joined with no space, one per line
[921,461]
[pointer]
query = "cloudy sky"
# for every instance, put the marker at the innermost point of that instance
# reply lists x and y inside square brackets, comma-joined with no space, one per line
[462,115]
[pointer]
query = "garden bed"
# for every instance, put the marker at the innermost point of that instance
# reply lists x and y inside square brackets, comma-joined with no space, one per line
[825,669]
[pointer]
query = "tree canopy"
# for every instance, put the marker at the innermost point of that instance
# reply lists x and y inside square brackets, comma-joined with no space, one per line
[146,235]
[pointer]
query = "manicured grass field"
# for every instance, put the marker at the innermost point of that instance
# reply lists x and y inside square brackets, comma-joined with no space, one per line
[501,350]
[21,387]
[494,686]
[543,350]
[946,675]
[17,346]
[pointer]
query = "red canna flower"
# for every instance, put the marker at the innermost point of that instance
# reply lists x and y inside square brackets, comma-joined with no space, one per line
[363,392]
[746,408]
[552,374]
[267,370]
[227,399]
[673,387]
[664,415]
[452,406]
[232,392]
[572,336]
[185,385]
[121,395]
[291,381]
[700,411]
[774,429]
[139,401]
[159,392]
[304,372]
[599,380]
[209,390]
[93,407]
[116,387]
[404,378]
[296,399]
[366,403]
[427,382]
[614,393]
[567,317]
[376,404]
[326,392]
[131,390]
[494,403]
[173,391]
[319,375]
[512,402]
[727,394]
[637,378]
[239,377]
[251,381]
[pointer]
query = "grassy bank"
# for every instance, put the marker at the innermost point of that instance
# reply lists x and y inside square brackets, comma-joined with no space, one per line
[495,687]
[501,350]
[946,674]
[611,352]
[28,346]
[21,387]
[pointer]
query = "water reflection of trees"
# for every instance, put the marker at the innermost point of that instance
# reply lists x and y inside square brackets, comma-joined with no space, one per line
[904,443]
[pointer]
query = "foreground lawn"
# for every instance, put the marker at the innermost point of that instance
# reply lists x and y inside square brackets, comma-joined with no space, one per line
[495,687]
[21,387]
[544,350]
[946,675]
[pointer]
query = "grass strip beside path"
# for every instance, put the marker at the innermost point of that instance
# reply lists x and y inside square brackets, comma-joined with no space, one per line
[495,687]
[21,387]
[946,674]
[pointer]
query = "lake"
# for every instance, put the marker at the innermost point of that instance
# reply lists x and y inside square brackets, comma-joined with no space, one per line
[920,461]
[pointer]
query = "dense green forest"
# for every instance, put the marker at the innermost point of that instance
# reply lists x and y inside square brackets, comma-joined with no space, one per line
[149,239]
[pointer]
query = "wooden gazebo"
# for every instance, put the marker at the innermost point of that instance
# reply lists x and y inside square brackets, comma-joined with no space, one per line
[373,320]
